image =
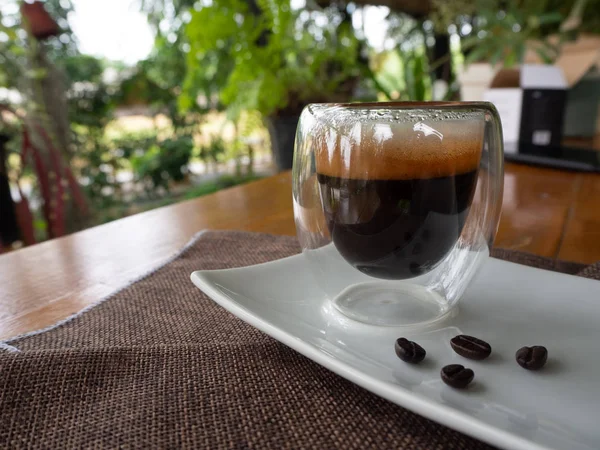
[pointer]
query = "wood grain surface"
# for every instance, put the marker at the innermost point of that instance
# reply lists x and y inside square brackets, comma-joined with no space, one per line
[547,212]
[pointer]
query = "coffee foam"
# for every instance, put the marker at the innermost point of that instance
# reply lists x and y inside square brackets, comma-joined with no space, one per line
[399,151]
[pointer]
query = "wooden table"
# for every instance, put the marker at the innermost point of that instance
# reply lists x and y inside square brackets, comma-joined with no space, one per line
[546,212]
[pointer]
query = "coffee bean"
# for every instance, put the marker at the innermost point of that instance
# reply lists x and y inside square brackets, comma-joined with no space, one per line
[470,347]
[532,358]
[457,376]
[409,351]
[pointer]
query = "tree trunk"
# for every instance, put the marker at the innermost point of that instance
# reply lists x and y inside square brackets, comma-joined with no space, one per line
[48,133]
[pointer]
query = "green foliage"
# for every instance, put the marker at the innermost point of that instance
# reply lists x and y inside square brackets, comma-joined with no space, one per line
[417,80]
[176,153]
[91,105]
[214,151]
[99,163]
[139,89]
[249,123]
[166,66]
[155,165]
[272,59]
[12,53]
[500,31]
[90,101]
[131,144]
[101,160]
[406,74]
[82,68]
[163,163]
[167,12]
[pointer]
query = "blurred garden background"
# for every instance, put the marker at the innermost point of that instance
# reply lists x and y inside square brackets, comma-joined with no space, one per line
[109,108]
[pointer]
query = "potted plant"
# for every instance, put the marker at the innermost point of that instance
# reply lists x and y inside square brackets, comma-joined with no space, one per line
[272,59]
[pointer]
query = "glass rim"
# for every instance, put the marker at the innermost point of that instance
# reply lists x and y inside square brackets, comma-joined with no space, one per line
[409,104]
[397,112]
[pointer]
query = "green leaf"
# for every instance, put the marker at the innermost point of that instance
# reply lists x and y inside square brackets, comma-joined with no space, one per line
[497,54]
[477,54]
[421,77]
[468,42]
[550,18]
[510,59]
[520,53]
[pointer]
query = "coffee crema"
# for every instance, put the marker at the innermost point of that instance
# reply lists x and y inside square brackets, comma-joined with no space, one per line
[395,206]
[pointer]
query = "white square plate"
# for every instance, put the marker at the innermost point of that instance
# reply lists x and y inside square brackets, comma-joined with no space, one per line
[508,305]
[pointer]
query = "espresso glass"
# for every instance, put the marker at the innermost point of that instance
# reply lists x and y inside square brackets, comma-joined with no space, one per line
[397,204]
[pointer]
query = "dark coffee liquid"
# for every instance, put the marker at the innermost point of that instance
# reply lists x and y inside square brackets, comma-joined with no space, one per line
[396,229]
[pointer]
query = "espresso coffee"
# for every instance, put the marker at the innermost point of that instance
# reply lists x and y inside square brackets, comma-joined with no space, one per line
[394,212]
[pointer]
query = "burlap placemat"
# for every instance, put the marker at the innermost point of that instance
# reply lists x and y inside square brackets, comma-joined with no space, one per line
[160,365]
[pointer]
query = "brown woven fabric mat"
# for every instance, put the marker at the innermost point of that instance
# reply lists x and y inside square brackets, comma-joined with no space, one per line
[159,365]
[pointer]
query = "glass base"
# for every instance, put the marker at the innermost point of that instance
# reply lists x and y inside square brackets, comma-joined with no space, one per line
[394,304]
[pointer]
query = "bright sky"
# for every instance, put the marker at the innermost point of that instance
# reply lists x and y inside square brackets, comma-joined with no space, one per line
[115,29]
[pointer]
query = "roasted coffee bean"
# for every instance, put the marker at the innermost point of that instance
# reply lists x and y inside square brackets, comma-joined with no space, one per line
[470,347]
[409,351]
[532,358]
[457,376]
